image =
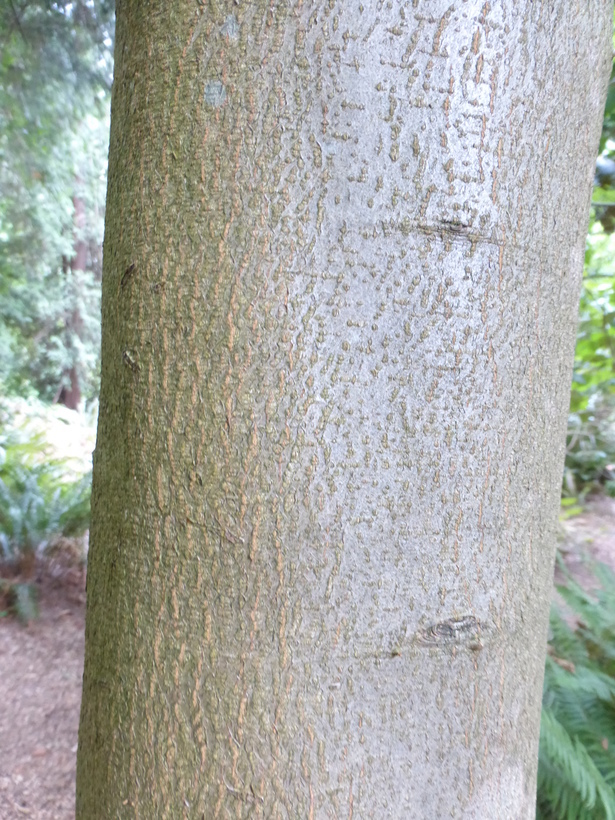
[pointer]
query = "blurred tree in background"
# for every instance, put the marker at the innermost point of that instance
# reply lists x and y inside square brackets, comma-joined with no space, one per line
[55,79]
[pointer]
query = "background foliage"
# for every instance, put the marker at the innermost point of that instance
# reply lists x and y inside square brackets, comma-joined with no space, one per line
[55,79]
[590,459]
[44,478]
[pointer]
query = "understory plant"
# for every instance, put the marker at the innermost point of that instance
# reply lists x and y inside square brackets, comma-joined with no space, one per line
[37,502]
[42,494]
[576,771]
[45,480]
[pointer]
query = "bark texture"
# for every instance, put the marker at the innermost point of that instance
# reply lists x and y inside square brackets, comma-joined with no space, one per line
[342,260]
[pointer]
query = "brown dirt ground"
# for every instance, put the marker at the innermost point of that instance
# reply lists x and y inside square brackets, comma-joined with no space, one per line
[41,666]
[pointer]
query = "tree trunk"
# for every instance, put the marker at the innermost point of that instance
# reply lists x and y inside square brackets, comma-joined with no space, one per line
[342,261]
[70,390]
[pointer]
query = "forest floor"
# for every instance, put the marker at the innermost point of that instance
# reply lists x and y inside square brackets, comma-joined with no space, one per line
[41,666]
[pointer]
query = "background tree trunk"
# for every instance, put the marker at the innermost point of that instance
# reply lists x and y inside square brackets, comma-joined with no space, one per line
[342,261]
[70,390]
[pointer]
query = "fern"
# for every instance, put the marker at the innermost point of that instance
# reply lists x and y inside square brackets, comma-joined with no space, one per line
[576,769]
[37,500]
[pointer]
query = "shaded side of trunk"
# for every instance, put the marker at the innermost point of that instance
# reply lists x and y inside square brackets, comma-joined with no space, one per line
[342,260]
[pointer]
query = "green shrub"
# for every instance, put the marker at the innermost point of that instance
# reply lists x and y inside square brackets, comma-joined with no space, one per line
[37,501]
[590,451]
[576,770]
[42,495]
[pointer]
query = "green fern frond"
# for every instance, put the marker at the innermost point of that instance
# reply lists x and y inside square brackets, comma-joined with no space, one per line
[576,772]
[37,500]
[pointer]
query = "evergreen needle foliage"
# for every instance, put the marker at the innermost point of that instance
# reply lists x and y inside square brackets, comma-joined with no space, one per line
[576,771]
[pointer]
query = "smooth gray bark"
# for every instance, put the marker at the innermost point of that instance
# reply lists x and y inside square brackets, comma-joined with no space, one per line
[342,260]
